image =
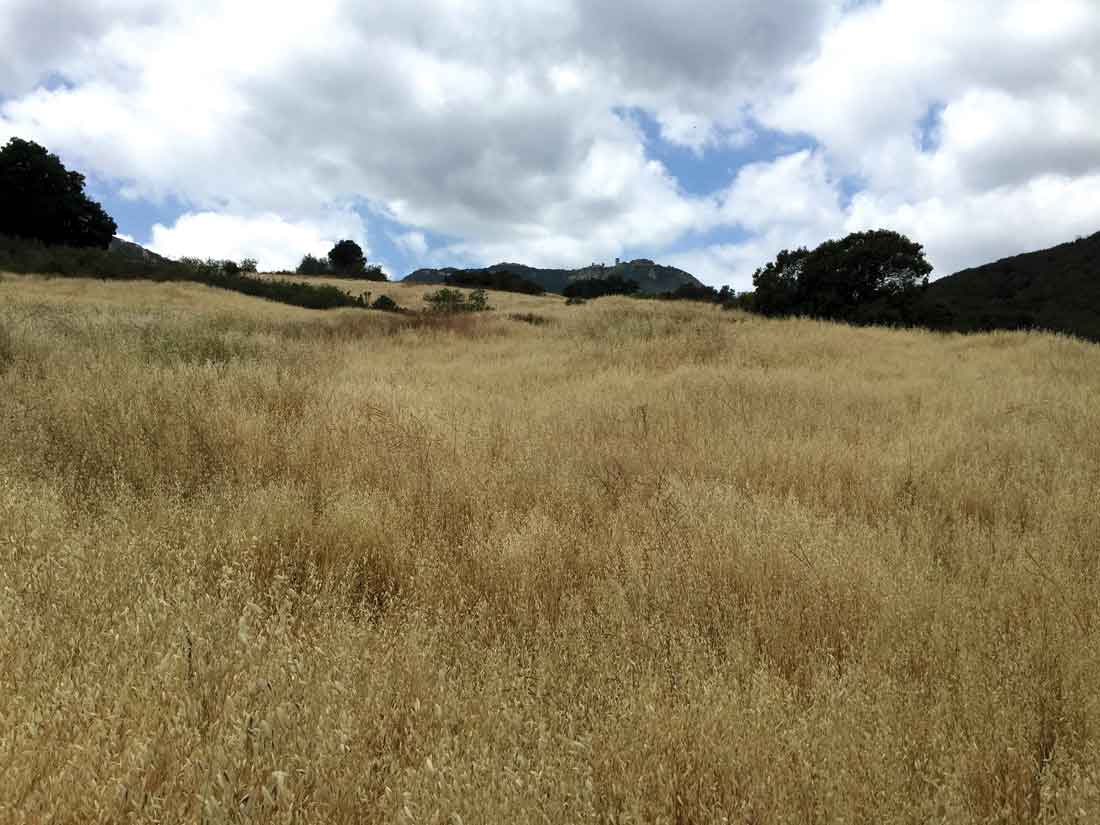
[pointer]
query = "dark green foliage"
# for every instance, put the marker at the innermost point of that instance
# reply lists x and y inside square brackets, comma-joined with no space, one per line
[840,279]
[346,259]
[529,318]
[312,265]
[29,256]
[385,303]
[501,279]
[776,285]
[738,300]
[310,296]
[7,348]
[726,297]
[373,272]
[447,300]
[41,199]
[693,292]
[597,287]
[478,301]
[1054,289]
[249,265]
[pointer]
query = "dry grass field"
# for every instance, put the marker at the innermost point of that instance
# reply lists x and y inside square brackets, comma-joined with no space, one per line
[645,562]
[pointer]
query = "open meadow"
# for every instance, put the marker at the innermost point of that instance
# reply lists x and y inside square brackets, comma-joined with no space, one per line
[631,561]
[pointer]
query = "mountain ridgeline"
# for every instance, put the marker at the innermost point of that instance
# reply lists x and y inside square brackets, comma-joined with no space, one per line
[651,278]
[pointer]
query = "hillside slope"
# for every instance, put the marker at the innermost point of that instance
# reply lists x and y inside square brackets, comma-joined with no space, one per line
[134,251]
[1056,289]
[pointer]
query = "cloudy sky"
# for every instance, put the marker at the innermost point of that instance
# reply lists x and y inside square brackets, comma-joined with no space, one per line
[704,133]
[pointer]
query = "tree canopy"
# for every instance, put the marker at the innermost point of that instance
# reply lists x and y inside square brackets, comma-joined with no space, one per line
[42,200]
[344,260]
[312,265]
[347,258]
[841,278]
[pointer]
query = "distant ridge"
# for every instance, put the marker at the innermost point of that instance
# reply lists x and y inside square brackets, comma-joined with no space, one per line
[1056,289]
[137,252]
[651,277]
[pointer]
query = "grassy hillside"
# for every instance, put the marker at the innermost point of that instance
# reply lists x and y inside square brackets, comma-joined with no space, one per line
[1055,289]
[644,562]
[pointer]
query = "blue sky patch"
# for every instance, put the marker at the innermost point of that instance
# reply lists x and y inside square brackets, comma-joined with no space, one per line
[713,169]
[929,128]
[135,216]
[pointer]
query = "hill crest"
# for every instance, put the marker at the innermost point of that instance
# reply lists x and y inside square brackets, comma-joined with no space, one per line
[1056,289]
[651,277]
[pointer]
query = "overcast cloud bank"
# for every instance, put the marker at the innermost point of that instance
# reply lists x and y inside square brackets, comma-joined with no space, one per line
[444,132]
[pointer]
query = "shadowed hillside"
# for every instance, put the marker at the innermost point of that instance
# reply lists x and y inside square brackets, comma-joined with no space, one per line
[1056,289]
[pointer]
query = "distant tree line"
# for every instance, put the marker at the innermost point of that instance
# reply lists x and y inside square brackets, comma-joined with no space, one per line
[344,260]
[726,297]
[29,256]
[586,288]
[49,225]
[502,280]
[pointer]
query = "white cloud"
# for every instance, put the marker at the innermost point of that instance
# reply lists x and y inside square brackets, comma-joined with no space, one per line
[971,125]
[795,191]
[413,243]
[494,122]
[1008,161]
[276,243]
[973,229]
[783,204]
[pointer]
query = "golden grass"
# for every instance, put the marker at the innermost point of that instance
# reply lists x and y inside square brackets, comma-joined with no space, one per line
[647,562]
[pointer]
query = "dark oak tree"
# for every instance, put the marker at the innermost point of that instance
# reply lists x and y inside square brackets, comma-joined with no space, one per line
[42,200]
[776,285]
[347,258]
[841,278]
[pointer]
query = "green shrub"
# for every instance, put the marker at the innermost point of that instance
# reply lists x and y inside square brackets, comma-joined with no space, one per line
[312,265]
[478,301]
[529,318]
[7,348]
[498,278]
[447,301]
[386,304]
